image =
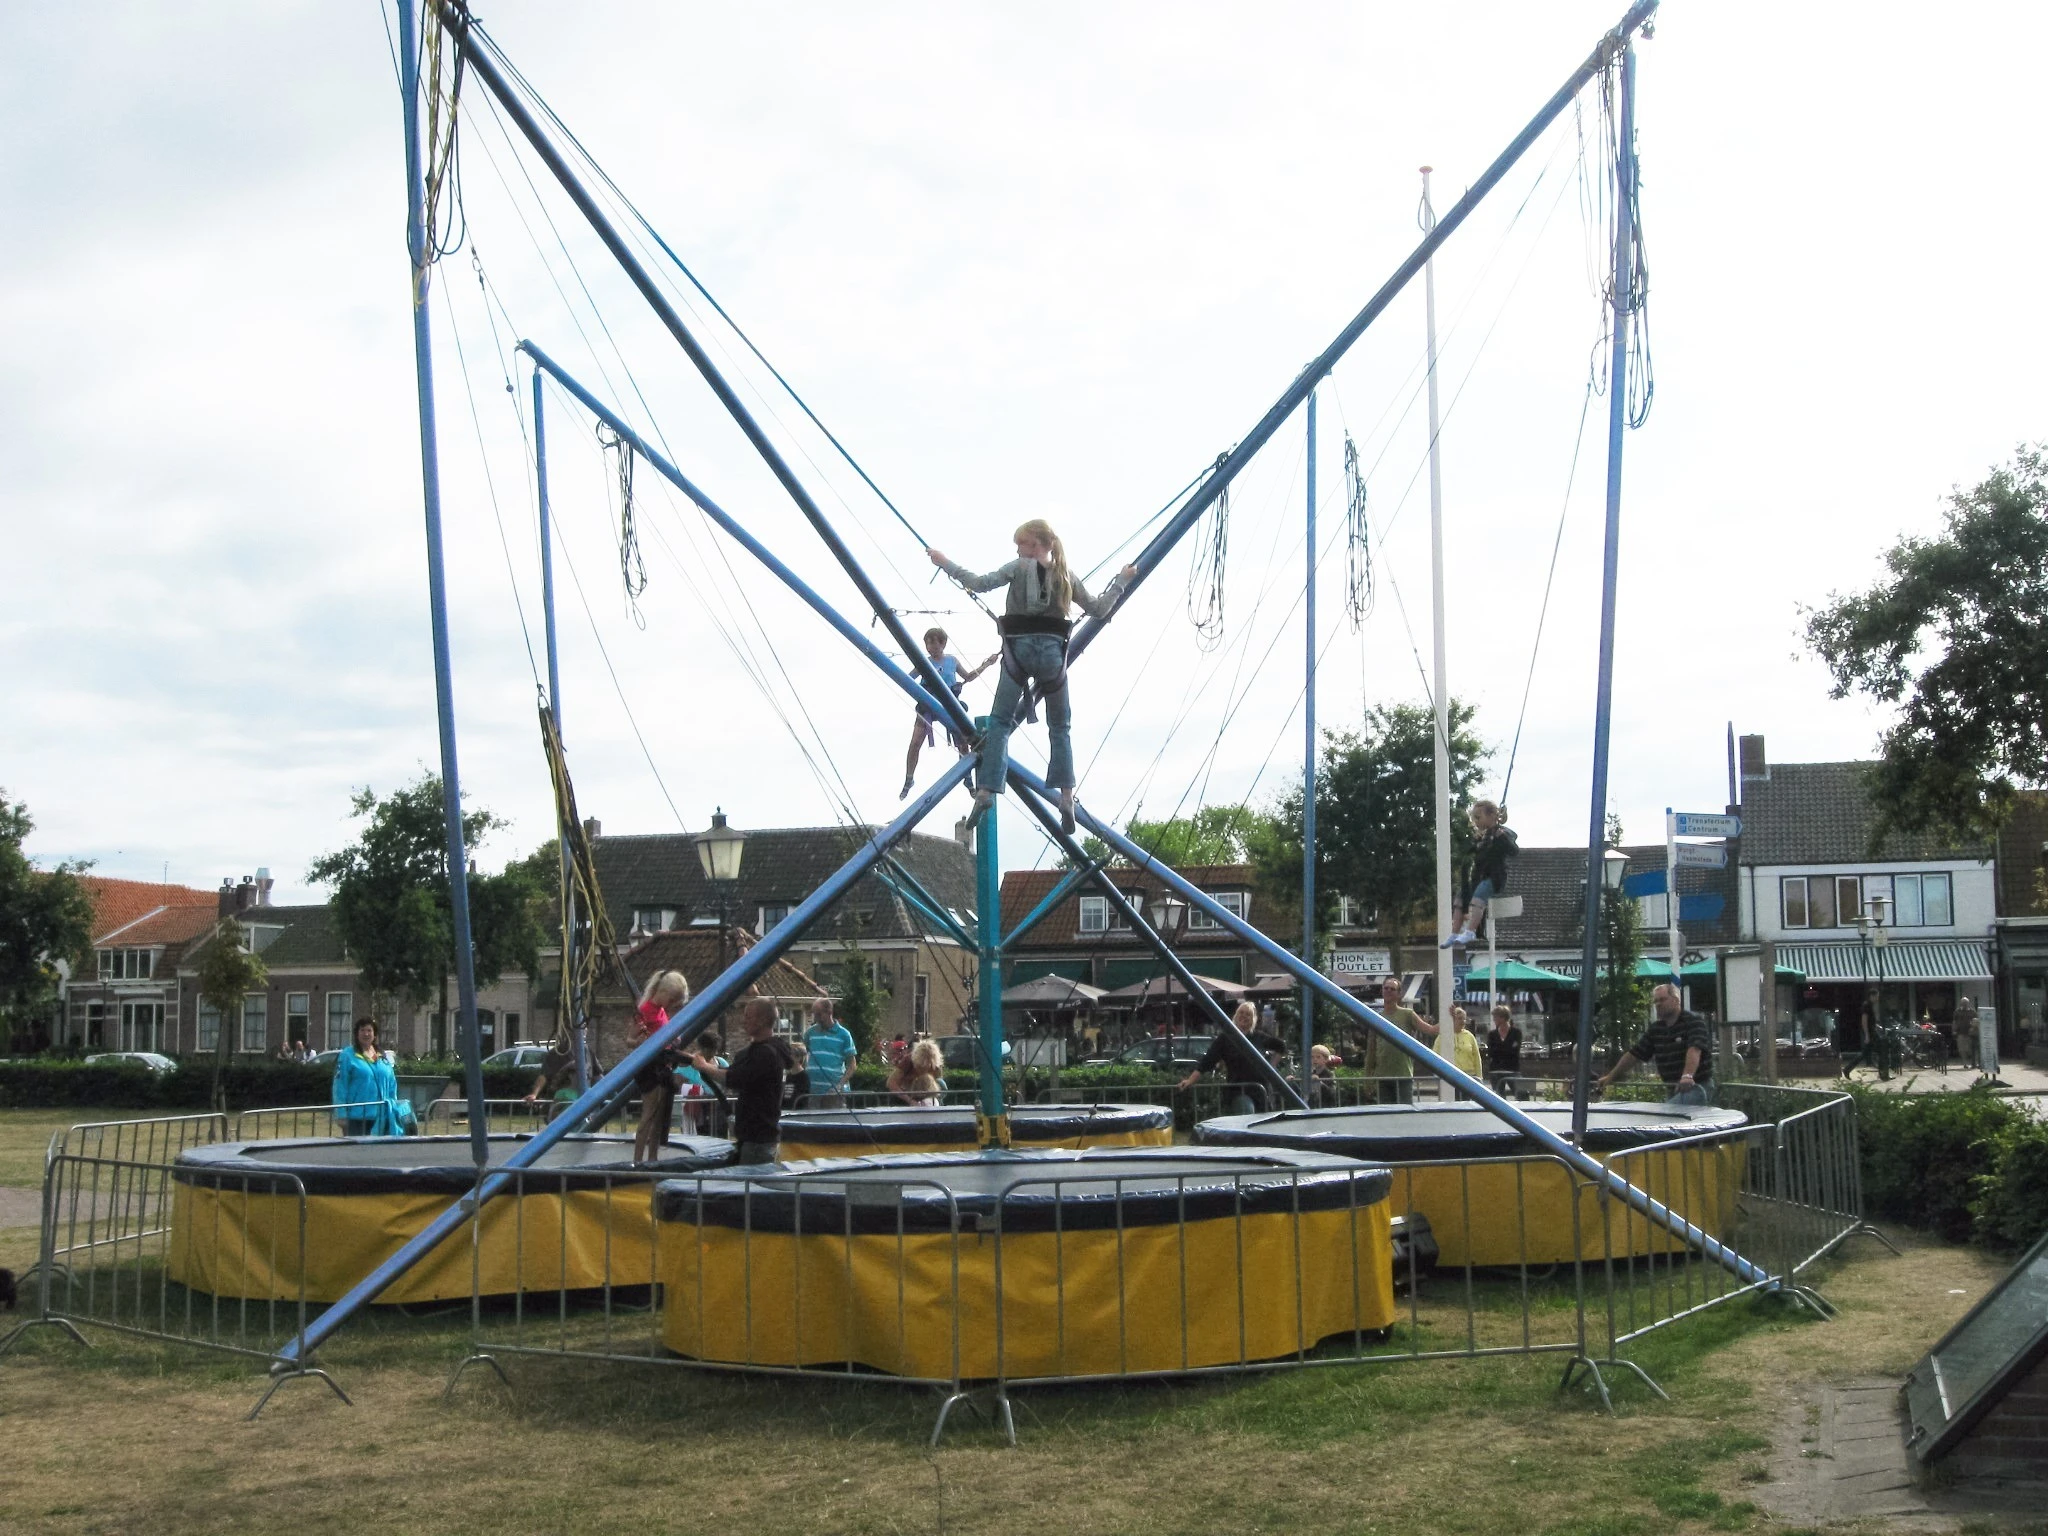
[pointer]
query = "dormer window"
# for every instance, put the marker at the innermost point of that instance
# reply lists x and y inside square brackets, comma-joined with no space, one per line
[127,964]
[653,919]
[1234,902]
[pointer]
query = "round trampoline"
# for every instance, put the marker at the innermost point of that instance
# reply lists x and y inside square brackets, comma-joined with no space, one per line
[1493,1197]
[1046,1264]
[814,1133]
[581,1211]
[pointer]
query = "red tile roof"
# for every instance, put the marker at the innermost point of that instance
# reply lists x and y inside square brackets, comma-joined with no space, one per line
[695,952]
[117,903]
[166,925]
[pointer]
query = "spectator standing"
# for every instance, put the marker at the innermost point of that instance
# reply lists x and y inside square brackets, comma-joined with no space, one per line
[1392,1068]
[366,1096]
[656,1080]
[1966,1029]
[755,1082]
[927,1086]
[1245,1073]
[1680,1044]
[1460,1047]
[831,1052]
[1503,1048]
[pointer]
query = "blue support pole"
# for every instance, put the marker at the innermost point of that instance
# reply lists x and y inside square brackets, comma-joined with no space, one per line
[1191,510]
[992,1123]
[1506,1109]
[698,1015]
[578,1033]
[1610,572]
[486,69]
[437,584]
[1308,771]
[848,630]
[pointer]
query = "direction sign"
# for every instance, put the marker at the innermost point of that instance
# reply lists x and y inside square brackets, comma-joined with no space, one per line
[1702,855]
[1707,824]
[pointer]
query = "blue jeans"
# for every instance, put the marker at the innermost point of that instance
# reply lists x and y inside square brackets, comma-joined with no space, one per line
[1041,657]
[1698,1093]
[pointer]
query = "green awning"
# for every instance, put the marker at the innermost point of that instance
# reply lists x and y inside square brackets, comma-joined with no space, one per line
[1707,969]
[1518,973]
[1022,971]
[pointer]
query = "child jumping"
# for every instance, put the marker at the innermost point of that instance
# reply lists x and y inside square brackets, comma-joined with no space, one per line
[1487,875]
[665,992]
[948,667]
[1035,629]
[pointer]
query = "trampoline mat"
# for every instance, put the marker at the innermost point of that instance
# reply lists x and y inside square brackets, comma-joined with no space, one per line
[954,1125]
[1444,1132]
[1026,1191]
[431,1164]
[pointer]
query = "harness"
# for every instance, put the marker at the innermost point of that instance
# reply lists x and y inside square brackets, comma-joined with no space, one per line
[1014,624]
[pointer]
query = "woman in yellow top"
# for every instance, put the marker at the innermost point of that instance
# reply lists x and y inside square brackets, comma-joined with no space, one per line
[1456,1043]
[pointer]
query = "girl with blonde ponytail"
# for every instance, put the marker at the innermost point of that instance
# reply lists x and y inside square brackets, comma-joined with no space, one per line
[1042,588]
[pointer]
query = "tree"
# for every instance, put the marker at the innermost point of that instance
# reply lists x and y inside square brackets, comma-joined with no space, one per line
[228,971]
[858,1001]
[392,905]
[1375,818]
[1956,639]
[1215,834]
[45,921]
[1621,998]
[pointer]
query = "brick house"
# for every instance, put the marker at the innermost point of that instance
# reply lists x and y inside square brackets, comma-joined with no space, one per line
[698,954]
[653,883]
[128,999]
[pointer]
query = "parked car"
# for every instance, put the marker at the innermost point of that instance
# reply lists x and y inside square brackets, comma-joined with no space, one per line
[1164,1053]
[149,1059]
[962,1053]
[517,1058]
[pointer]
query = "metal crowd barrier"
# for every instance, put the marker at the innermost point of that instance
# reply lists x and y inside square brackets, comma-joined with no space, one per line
[299,1121]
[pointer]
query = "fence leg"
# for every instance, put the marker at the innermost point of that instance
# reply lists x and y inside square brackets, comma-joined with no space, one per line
[63,1324]
[284,1371]
[1591,1367]
[479,1358]
[998,1399]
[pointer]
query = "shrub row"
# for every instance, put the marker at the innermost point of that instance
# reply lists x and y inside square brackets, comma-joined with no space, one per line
[1970,1166]
[54,1083]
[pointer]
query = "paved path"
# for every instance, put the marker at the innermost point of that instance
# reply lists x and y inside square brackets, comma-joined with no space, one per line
[1841,1455]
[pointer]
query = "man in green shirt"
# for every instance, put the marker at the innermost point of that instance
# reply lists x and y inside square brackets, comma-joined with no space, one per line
[1383,1059]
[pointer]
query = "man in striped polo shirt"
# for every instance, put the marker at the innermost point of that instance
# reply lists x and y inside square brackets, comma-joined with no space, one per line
[1680,1044]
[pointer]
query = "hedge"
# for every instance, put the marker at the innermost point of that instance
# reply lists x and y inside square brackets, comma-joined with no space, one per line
[1970,1166]
[55,1083]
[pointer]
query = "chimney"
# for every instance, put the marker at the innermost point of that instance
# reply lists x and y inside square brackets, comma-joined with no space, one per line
[593,829]
[263,885]
[245,894]
[1756,768]
[963,834]
[227,896]
[1734,789]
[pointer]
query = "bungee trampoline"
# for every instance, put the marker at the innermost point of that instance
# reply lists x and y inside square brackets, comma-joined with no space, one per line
[1045,1264]
[578,1219]
[1493,1198]
[815,1133]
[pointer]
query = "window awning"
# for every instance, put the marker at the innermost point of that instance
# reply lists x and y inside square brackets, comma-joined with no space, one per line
[1901,960]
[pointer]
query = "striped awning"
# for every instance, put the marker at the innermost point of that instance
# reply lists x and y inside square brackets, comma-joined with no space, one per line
[1902,960]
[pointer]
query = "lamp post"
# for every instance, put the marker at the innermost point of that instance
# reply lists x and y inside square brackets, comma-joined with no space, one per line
[1163,909]
[719,851]
[1613,870]
[1879,935]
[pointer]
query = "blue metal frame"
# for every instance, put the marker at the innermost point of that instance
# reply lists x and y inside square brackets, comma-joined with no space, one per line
[700,1014]
[1087,871]
[485,69]
[1582,1162]
[1308,766]
[848,630]
[1610,574]
[988,925]
[912,891]
[1296,392]
[437,585]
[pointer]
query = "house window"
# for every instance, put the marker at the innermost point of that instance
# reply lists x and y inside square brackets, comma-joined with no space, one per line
[1094,914]
[141,1026]
[1793,901]
[209,1027]
[341,1020]
[1231,901]
[298,1015]
[653,919]
[255,1022]
[1922,901]
[127,964]
[1654,911]
[921,1004]
[511,1029]
[1355,914]
[1848,899]
[772,913]
[95,1025]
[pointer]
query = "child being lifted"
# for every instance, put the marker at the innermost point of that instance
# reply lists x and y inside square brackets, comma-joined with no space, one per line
[948,668]
[1035,628]
[1486,877]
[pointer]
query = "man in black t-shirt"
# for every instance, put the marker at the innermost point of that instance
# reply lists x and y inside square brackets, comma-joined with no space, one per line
[1246,1091]
[1681,1045]
[755,1081]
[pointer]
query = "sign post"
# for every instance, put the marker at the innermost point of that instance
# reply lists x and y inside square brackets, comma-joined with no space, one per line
[1498,908]
[1679,856]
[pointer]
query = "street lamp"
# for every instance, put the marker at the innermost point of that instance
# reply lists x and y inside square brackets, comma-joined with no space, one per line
[719,850]
[1165,910]
[1613,868]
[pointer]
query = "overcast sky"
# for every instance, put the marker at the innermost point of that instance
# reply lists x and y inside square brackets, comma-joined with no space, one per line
[1044,260]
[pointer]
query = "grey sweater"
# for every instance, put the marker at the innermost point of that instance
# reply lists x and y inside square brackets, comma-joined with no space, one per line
[1031,589]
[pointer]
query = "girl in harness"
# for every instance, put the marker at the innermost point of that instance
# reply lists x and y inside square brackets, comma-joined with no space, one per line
[1493,844]
[1035,628]
[921,732]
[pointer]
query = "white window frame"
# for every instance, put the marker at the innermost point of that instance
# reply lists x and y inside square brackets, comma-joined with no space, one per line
[1653,911]
[1948,886]
[303,1013]
[1093,915]
[209,1027]
[345,1016]
[1238,902]
[1845,916]
[256,1011]
[1785,885]
[782,909]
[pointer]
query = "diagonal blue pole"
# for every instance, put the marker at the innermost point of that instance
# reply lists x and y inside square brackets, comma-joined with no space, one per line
[703,1011]
[1191,510]
[849,631]
[993,1124]
[1610,573]
[437,584]
[1308,770]
[480,62]
[1583,1162]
